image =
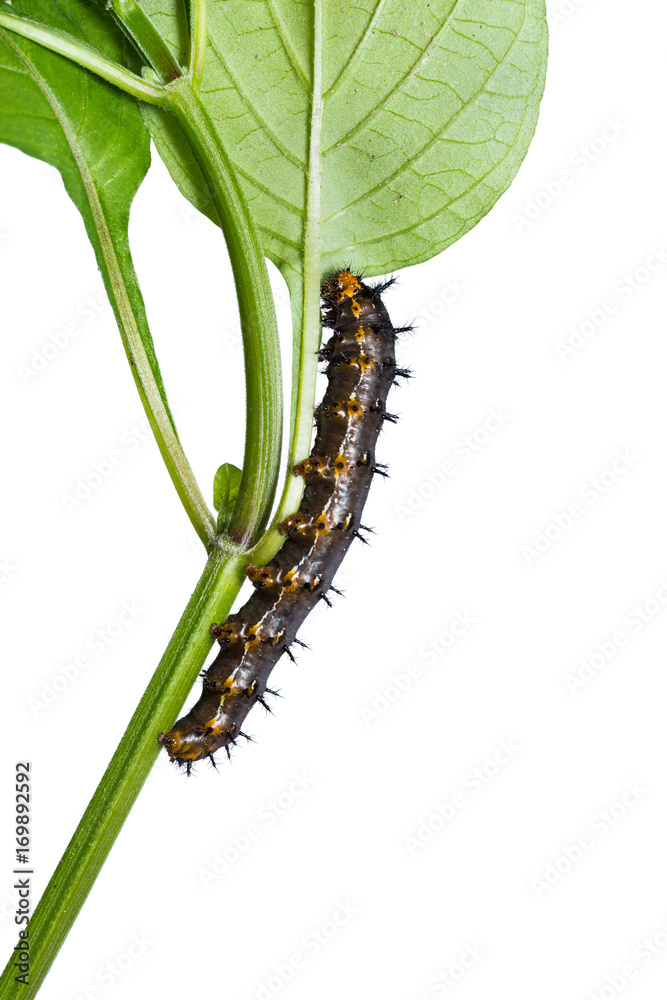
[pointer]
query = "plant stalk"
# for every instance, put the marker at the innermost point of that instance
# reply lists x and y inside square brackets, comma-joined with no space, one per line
[261,348]
[129,767]
[83,55]
[148,39]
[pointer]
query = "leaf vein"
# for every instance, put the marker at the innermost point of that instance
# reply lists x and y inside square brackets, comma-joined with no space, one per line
[256,115]
[404,79]
[289,51]
[429,145]
[267,190]
[357,52]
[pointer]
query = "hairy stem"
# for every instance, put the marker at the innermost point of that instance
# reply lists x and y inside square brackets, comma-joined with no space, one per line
[128,307]
[82,54]
[147,38]
[261,348]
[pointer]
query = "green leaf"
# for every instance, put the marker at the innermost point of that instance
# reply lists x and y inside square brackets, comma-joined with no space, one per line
[428,109]
[225,491]
[95,136]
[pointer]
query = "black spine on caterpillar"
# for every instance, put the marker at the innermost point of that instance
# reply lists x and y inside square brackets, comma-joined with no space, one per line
[361,368]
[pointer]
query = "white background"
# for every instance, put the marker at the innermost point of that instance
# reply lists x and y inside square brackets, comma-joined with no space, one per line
[490,877]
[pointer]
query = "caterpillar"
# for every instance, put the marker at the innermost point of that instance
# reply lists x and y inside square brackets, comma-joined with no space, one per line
[360,368]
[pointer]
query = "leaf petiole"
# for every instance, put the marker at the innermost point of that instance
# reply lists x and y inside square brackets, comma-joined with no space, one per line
[261,348]
[147,38]
[86,56]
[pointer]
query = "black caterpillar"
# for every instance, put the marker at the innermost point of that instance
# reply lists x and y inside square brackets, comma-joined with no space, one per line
[361,368]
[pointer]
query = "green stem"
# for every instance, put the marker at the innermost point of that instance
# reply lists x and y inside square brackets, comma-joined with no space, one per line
[82,54]
[261,348]
[147,38]
[102,821]
[127,302]
[115,262]
[223,575]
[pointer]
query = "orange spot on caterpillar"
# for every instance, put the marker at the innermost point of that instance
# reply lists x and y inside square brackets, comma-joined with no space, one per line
[262,576]
[311,466]
[341,465]
[227,632]
[177,746]
[253,636]
[294,525]
[341,286]
[334,409]
[292,581]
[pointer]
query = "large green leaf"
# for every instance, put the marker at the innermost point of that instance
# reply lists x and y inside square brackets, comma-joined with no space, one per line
[427,110]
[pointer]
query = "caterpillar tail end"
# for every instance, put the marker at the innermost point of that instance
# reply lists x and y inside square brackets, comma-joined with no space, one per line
[180,750]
